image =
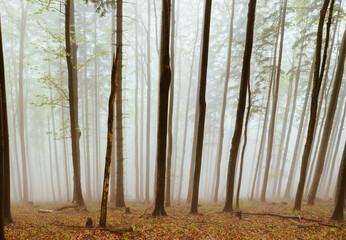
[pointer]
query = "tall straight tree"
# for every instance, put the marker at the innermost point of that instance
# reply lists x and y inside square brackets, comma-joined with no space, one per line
[147,167]
[6,143]
[24,10]
[274,106]
[120,198]
[164,84]
[103,216]
[328,123]
[201,105]
[245,75]
[223,109]
[170,114]
[317,80]
[71,59]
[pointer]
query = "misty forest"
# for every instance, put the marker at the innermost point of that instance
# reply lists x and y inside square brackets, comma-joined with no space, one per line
[172,119]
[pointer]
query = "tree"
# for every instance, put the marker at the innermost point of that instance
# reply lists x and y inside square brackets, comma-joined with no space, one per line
[110,126]
[6,144]
[2,138]
[120,199]
[245,75]
[328,123]
[223,109]
[164,84]
[170,113]
[317,79]
[338,213]
[274,106]
[202,105]
[71,59]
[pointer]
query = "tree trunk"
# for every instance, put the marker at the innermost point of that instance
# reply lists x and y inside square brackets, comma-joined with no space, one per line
[7,217]
[314,102]
[24,10]
[170,113]
[329,122]
[50,161]
[147,167]
[136,108]
[241,105]
[110,128]
[223,109]
[120,198]
[187,114]
[71,58]
[164,83]
[202,105]
[288,138]
[274,106]
[338,213]
[244,145]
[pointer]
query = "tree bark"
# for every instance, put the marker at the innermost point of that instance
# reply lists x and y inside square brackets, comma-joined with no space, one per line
[338,213]
[241,105]
[223,109]
[120,199]
[164,83]
[110,127]
[317,79]
[202,105]
[71,58]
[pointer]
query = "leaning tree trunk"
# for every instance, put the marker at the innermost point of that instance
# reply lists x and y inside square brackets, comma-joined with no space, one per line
[165,80]
[274,106]
[223,109]
[202,106]
[314,102]
[120,199]
[329,121]
[241,105]
[110,127]
[338,213]
[170,114]
[71,58]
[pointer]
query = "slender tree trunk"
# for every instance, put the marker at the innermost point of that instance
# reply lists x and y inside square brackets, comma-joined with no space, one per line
[245,142]
[24,10]
[120,198]
[50,161]
[2,150]
[274,106]
[187,114]
[147,167]
[170,113]
[201,105]
[331,176]
[71,58]
[223,109]
[295,95]
[245,76]
[110,127]
[338,213]
[136,108]
[318,75]
[328,123]
[300,132]
[164,83]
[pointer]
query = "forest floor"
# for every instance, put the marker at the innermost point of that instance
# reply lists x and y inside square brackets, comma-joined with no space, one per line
[211,223]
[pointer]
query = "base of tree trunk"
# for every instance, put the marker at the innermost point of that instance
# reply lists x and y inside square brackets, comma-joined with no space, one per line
[159,212]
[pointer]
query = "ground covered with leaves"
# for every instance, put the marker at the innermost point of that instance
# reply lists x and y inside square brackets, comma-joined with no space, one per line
[211,223]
